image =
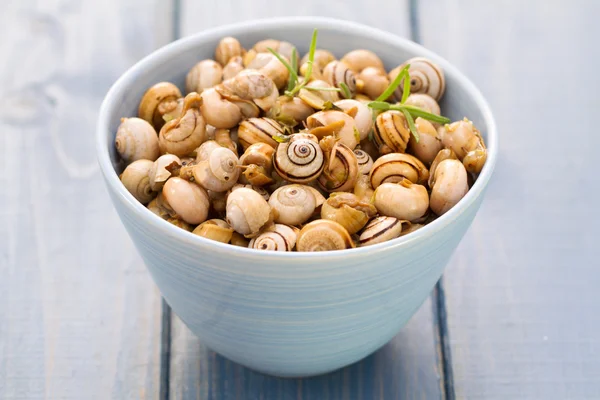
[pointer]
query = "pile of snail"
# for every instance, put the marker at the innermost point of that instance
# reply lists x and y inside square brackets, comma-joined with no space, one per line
[272,152]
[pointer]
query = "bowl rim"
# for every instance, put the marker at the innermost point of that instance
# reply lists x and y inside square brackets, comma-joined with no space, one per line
[256,25]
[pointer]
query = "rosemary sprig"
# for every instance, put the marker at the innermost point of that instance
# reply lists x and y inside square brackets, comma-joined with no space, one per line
[345,90]
[395,83]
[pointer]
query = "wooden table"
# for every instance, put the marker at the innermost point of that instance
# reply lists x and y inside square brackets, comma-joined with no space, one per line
[515,316]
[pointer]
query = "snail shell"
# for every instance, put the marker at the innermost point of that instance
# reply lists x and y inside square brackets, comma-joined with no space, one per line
[239,240]
[218,111]
[223,138]
[465,140]
[157,101]
[381,229]
[348,210]
[204,75]
[363,117]
[280,46]
[220,172]
[372,82]
[341,168]
[425,77]
[214,229]
[290,110]
[136,181]
[260,154]
[321,59]
[262,191]
[318,99]
[233,67]
[269,65]
[391,132]
[424,102]
[277,238]
[348,135]
[429,143]
[136,139]
[295,204]
[403,200]
[158,174]
[300,160]
[189,201]
[336,72]
[250,85]
[395,167]
[228,48]
[247,211]
[359,59]
[323,235]
[203,152]
[363,189]
[183,135]
[444,154]
[450,185]
[259,130]
[365,162]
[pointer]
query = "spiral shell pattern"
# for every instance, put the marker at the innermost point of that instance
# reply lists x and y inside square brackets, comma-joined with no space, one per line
[425,77]
[300,160]
[395,167]
[323,235]
[365,162]
[259,130]
[157,101]
[381,229]
[391,132]
[280,238]
[337,72]
[342,172]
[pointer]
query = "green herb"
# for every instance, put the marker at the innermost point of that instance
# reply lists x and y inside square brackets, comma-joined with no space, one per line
[320,89]
[168,117]
[395,83]
[293,79]
[345,90]
[379,105]
[357,135]
[406,89]
[419,112]
[328,105]
[411,125]
[281,138]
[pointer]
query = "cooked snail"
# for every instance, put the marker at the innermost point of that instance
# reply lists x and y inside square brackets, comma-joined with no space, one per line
[358,60]
[429,142]
[294,204]
[395,167]
[204,75]
[391,132]
[280,46]
[189,201]
[322,58]
[300,160]
[218,173]
[425,77]
[424,102]
[348,210]
[257,164]
[219,112]
[182,135]
[381,229]
[365,162]
[449,186]
[259,130]
[363,117]
[348,135]
[223,138]
[341,166]
[403,200]
[158,174]
[279,237]
[269,65]
[372,81]
[157,101]
[233,67]
[466,141]
[337,74]
[247,211]
[323,235]
[228,48]
[214,229]
[136,181]
[136,140]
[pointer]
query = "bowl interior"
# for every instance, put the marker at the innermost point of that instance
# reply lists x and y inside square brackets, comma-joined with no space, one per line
[172,62]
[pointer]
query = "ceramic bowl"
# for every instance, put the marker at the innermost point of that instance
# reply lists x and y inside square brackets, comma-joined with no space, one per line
[291,314]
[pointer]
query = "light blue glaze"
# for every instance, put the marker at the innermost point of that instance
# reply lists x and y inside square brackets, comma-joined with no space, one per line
[291,314]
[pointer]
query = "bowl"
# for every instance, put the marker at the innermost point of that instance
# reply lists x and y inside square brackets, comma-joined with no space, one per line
[291,314]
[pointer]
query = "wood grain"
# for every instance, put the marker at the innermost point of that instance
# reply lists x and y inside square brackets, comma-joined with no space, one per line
[521,291]
[79,315]
[407,368]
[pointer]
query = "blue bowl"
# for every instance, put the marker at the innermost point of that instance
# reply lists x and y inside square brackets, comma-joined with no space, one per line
[291,314]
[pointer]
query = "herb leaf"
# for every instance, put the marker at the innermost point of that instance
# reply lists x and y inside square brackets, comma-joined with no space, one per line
[379,105]
[345,90]
[411,125]
[322,89]
[395,83]
[418,112]
[281,138]
[406,88]
[311,55]
[293,79]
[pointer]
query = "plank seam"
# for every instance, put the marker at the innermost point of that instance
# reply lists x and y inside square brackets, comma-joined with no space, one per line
[165,351]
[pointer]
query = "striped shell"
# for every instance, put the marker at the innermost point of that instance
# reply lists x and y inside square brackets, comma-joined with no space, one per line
[391,132]
[220,172]
[300,160]
[365,162]
[279,237]
[348,134]
[183,135]
[381,229]
[425,77]
[323,235]
[136,140]
[258,130]
[336,73]
[395,167]
[341,170]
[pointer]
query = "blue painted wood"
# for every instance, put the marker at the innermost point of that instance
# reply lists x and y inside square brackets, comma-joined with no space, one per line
[522,289]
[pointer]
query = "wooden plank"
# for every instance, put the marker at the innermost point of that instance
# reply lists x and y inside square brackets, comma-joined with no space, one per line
[521,291]
[406,368]
[79,315]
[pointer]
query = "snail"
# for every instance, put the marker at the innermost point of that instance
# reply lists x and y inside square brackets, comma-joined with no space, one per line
[228,48]
[214,229]
[250,85]
[300,160]
[348,135]
[424,102]
[247,211]
[372,81]
[279,237]
[259,130]
[157,208]
[321,59]
[323,235]
[280,46]
[341,166]
[204,75]
[218,111]
[158,174]
[217,201]
[381,229]
[239,240]
[318,99]
[391,132]
[403,200]
[337,73]
[218,173]
[363,189]
[158,100]
[233,67]
[425,77]
[257,164]
[429,142]
[269,65]
[466,141]
[262,191]
[365,162]
[449,186]
[369,147]
[178,222]
[358,60]
[363,117]
[203,152]
[348,210]
[182,135]
[444,154]
[136,140]
[189,201]
[395,167]
[294,203]
[290,110]
[223,138]
[136,181]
